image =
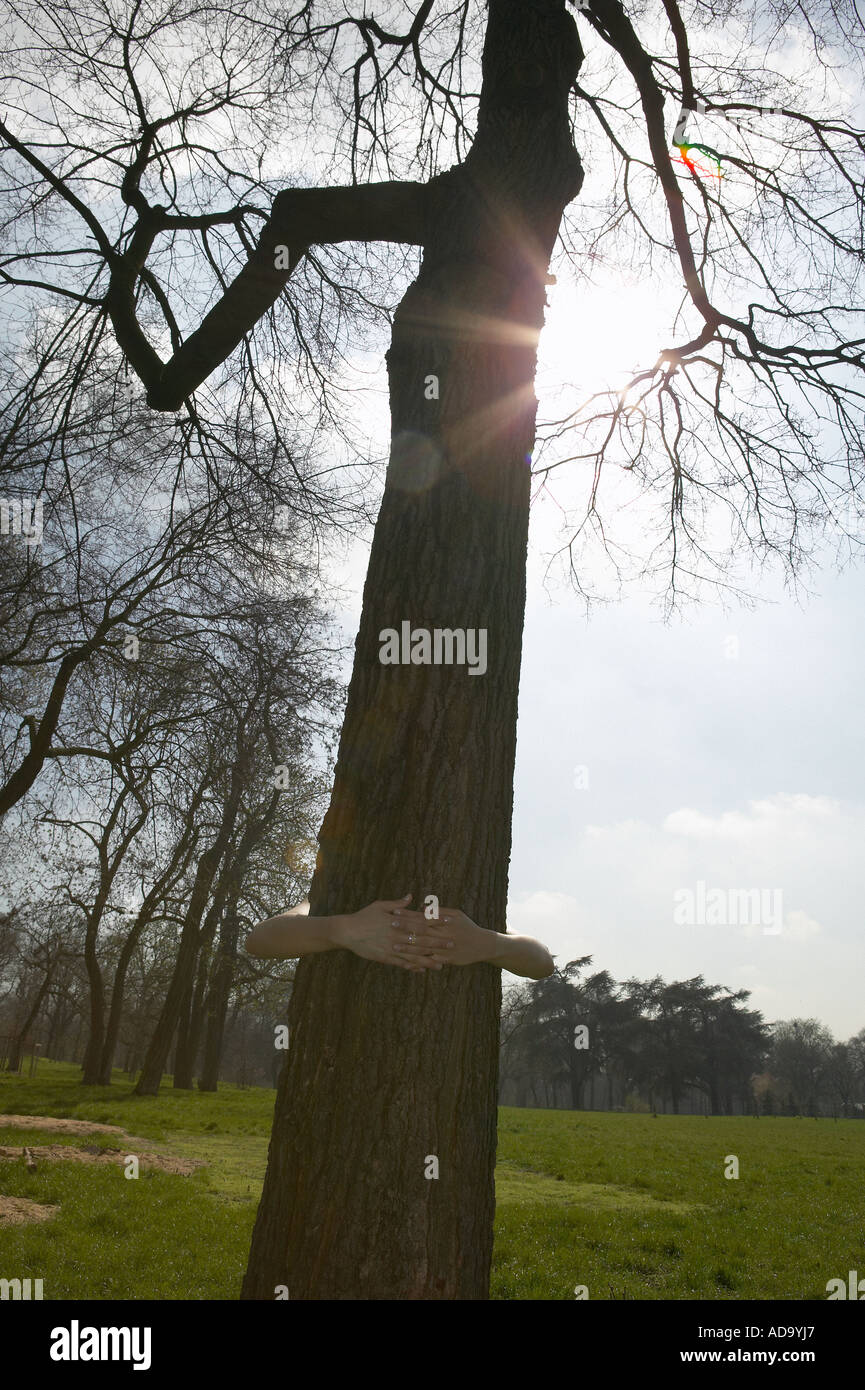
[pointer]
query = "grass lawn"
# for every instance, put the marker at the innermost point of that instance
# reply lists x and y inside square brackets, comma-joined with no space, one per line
[626,1205]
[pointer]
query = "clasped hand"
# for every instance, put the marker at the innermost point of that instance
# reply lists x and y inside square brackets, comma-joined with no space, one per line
[395,934]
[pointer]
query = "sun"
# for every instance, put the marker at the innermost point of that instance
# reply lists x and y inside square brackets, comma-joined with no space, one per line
[596,336]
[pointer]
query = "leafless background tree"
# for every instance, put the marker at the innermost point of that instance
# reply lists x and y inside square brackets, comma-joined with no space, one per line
[213,213]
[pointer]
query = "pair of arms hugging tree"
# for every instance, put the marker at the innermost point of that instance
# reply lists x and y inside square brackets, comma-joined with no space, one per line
[392,933]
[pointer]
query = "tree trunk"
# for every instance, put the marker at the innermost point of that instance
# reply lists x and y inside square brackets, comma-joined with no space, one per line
[187,951]
[20,1037]
[225,963]
[184,1070]
[90,1067]
[61,1021]
[191,1017]
[575,1079]
[179,858]
[118,988]
[386,1070]
[181,1071]
[187,954]
[51,1040]
[217,998]
[109,865]
[77,1044]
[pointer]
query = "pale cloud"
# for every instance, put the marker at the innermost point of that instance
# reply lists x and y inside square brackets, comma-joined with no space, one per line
[798,854]
[557,919]
[800,927]
[546,906]
[766,817]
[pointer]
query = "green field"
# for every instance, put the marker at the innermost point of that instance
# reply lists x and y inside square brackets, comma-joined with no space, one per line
[628,1206]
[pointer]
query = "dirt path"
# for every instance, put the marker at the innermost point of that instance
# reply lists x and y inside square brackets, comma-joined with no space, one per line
[126,1144]
[17,1211]
[60,1126]
[166,1163]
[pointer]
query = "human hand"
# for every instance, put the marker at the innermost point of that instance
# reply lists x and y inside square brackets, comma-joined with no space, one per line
[451,939]
[390,933]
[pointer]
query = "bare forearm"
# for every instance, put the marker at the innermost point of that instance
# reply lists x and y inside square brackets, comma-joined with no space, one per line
[288,935]
[393,934]
[521,955]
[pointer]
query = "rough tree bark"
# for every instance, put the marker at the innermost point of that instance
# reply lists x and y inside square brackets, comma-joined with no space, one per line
[183,1074]
[191,1012]
[20,1037]
[216,1006]
[187,951]
[180,857]
[181,1036]
[109,866]
[210,1012]
[385,1069]
[115,1012]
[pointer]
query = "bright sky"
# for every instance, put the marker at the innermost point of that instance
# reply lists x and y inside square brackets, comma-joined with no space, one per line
[723,748]
[741,772]
[723,751]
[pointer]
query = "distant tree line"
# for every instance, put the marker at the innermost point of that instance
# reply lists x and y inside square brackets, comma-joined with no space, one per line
[138,862]
[582,1040]
[167,716]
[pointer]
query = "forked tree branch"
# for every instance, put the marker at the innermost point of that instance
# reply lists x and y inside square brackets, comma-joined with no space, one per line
[611,21]
[301,218]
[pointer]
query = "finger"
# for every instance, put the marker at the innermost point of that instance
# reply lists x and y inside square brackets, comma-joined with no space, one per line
[420,959]
[403,962]
[407,914]
[420,953]
[424,942]
[421,941]
[410,960]
[391,903]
